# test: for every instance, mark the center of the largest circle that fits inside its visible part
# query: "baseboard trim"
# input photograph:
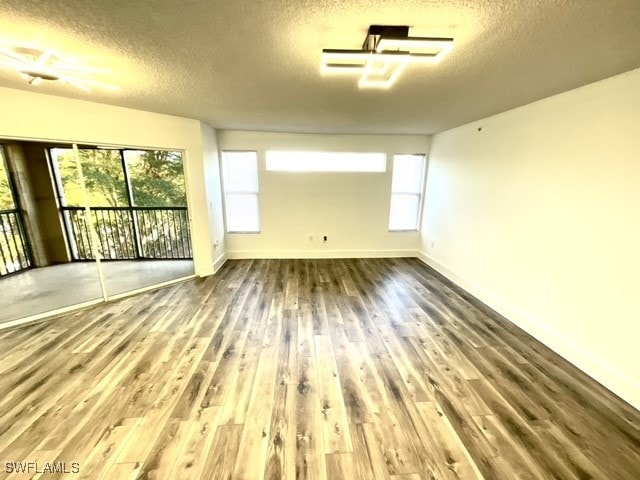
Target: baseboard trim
(149, 288)
(218, 264)
(52, 314)
(619, 383)
(49, 315)
(290, 254)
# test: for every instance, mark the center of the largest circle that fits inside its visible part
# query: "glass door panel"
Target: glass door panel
(155, 183)
(50, 279)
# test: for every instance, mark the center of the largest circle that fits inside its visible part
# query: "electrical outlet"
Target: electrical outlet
(432, 244)
(311, 238)
(325, 238)
(216, 244)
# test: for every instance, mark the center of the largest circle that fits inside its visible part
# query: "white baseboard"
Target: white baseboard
(50, 314)
(289, 254)
(619, 383)
(219, 262)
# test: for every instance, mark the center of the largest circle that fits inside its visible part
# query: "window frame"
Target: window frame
(226, 192)
(420, 194)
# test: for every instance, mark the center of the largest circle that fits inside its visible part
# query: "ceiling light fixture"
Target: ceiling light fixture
(35, 65)
(387, 50)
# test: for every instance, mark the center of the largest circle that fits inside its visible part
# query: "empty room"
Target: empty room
(388, 240)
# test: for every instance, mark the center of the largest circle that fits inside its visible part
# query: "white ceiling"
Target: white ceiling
(254, 64)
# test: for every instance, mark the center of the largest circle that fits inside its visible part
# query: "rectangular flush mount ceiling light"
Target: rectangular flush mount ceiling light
(385, 53)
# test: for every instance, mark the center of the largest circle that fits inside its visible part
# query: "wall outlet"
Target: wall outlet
(311, 238)
(325, 238)
(432, 244)
(216, 244)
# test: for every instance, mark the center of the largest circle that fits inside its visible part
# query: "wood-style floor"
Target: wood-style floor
(283, 369)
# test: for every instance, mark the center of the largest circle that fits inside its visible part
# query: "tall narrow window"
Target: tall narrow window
(241, 191)
(406, 192)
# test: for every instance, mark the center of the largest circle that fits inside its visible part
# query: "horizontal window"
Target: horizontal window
(288, 161)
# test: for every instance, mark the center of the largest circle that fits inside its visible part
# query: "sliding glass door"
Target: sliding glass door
(82, 225)
(136, 205)
(38, 276)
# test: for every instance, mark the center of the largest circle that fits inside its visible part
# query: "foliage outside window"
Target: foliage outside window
(156, 177)
(6, 198)
(137, 203)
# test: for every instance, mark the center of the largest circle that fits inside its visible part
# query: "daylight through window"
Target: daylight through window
(290, 161)
(406, 192)
(242, 209)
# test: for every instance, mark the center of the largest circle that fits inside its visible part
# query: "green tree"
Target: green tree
(157, 178)
(6, 199)
(104, 178)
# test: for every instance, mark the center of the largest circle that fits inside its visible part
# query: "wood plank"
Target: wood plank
(254, 442)
(309, 438)
(341, 465)
(335, 423)
(195, 448)
(223, 454)
(281, 455)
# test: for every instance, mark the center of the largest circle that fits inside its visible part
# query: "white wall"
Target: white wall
(213, 184)
(352, 209)
(538, 215)
(28, 115)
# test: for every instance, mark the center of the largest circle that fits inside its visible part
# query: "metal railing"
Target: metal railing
(14, 250)
(129, 233)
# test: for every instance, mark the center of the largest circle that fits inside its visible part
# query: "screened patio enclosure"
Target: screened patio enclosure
(82, 224)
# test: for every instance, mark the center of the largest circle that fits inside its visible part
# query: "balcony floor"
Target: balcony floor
(41, 290)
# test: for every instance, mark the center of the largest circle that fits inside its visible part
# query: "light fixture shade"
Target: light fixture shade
(385, 54)
(421, 50)
(383, 69)
(35, 65)
(344, 61)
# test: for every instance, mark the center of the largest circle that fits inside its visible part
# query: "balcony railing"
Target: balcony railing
(14, 250)
(129, 233)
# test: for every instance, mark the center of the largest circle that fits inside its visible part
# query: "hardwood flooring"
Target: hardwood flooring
(306, 369)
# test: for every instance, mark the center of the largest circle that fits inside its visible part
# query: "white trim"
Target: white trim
(49, 315)
(150, 287)
(62, 311)
(619, 383)
(219, 262)
(203, 271)
(253, 254)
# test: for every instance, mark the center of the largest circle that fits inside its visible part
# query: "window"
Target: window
(406, 192)
(287, 161)
(156, 178)
(241, 191)
(137, 203)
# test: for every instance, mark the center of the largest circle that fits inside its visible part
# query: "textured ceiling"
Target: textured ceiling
(254, 64)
